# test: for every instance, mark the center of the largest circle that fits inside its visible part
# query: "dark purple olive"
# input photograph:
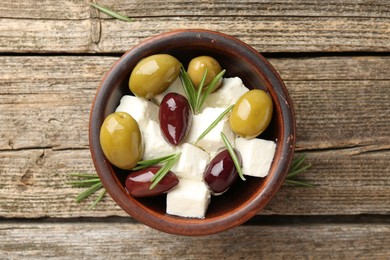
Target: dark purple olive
(175, 118)
(138, 182)
(221, 172)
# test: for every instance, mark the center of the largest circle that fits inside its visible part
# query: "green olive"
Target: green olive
(153, 75)
(121, 141)
(197, 67)
(251, 114)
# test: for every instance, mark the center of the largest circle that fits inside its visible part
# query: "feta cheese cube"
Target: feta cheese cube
(212, 142)
(142, 110)
(257, 155)
(189, 198)
(228, 94)
(155, 144)
(176, 87)
(192, 162)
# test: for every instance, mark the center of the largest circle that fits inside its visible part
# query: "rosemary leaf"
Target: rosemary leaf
(164, 171)
(296, 168)
(85, 175)
(233, 155)
(199, 93)
(297, 162)
(111, 13)
(299, 183)
(98, 199)
(210, 88)
(188, 87)
(154, 161)
(214, 123)
(88, 192)
(293, 173)
(87, 182)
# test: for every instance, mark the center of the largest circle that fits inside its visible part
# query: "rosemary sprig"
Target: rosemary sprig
(99, 198)
(233, 155)
(296, 168)
(188, 87)
(111, 13)
(214, 123)
(164, 170)
(95, 187)
(196, 98)
(200, 89)
(147, 163)
(211, 87)
(92, 183)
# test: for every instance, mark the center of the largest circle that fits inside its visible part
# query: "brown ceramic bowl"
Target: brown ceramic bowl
(245, 198)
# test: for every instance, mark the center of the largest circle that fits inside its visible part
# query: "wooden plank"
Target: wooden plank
(74, 9)
(252, 8)
(318, 86)
(266, 34)
(271, 34)
(46, 9)
(135, 241)
(44, 121)
(33, 184)
(45, 101)
(42, 36)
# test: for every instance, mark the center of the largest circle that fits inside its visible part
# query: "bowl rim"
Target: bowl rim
(188, 226)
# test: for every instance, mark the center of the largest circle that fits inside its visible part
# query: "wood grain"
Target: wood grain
(75, 9)
(33, 184)
(266, 34)
(129, 240)
(319, 85)
(44, 123)
(343, 120)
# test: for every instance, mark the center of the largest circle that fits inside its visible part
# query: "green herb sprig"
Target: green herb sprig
(164, 170)
(147, 163)
(168, 162)
(214, 123)
(92, 183)
(196, 98)
(233, 155)
(298, 166)
(112, 13)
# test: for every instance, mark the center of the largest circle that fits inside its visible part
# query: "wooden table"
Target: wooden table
(333, 57)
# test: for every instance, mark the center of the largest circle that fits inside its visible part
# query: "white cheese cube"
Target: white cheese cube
(192, 162)
(189, 198)
(176, 87)
(228, 94)
(257, 155)
(155, 144)
(212, 142)
(142, 110)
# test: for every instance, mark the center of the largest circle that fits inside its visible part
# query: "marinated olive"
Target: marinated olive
(221, 172)
(197, 67)
(175, 118)
(121, 141)
(153, 75)
(251, 114)
(138, 183)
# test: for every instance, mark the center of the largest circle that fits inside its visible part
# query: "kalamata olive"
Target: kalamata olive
(138, 182)
(221, 172)
(153, 75)
(121, 141)
(175, 118)
(197, 67)
(251, 114)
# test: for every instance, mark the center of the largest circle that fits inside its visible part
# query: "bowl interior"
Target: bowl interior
(244, 199)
